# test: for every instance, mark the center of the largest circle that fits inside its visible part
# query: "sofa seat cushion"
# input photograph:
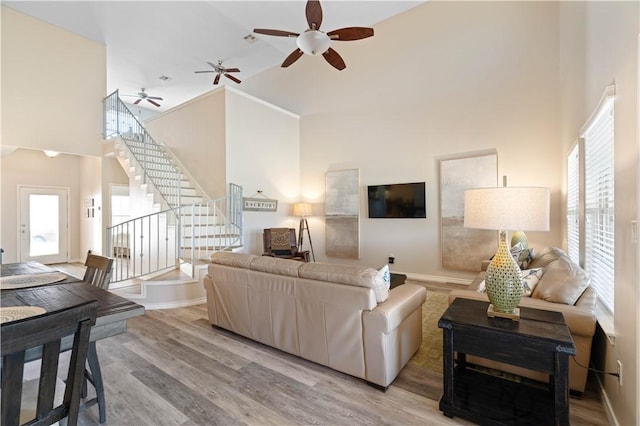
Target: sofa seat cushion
(237, 260)
(274, 265)
(346, 274)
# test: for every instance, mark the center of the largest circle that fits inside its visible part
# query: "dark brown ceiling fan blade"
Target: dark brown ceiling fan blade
(279, 33)
(294, 56)
(314, 14)
(152, 102)
(334, 59)
(232, 78)
(350, 33)
(232, 70)
(137, 101)
(217, 79)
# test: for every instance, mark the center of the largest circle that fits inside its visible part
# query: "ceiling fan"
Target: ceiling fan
(315, 42)
(142, 96)
(220, 70)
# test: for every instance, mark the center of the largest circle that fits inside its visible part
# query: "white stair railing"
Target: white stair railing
(186, 230)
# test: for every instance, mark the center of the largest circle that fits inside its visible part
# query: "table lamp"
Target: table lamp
(303, 210)
(506, 209)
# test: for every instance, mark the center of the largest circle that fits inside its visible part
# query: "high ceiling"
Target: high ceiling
(147, 40)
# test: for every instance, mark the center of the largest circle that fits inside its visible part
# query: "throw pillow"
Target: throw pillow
(382, 283)
(530, 278)
(522, 256)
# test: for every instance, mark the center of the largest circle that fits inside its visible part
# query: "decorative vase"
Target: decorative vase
(503, 279)
(520, 237)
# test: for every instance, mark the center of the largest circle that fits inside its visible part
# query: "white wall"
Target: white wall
(227, 137)
(442, 79)
(599, 46)
(53, 83)
(195, 134)
(263, 154)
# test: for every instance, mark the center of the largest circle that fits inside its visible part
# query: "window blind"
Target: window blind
(573, 200)
(599, 204)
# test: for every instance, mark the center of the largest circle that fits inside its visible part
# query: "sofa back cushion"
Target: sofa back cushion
(275, 265)
(563, 281)
(347, 274)
(237, 260)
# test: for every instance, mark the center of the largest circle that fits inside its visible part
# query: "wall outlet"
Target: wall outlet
(392, 258)
(619, 372)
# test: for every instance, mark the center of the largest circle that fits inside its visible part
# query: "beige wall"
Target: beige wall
(263, 153)
(53, 83)
(443, 79)
(32, 167)
(599, 47)
(195, 133)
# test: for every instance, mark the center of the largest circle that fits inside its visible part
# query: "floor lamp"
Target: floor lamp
(303, 210)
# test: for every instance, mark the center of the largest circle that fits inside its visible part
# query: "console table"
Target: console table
(540, 341)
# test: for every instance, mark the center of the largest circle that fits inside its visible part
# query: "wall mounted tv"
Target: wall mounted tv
(397, 200)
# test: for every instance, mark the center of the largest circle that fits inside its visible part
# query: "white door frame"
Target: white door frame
(64, 257)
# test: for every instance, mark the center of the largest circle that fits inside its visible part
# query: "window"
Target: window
(573, 204)
(597, 204)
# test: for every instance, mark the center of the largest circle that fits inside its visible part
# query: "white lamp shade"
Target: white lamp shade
(51, 154)
(313, 42)
(302, 209)
(507, 208)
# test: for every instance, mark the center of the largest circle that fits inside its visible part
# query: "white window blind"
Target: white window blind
(599, 203)
(573, 206)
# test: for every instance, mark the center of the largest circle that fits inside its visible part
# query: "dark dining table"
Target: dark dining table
(112, 315)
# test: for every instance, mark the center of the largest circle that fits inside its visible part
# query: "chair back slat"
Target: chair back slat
(98, 272)
(46, 330)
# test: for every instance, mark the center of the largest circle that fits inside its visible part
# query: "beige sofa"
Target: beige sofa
(330, 314)
(563, 287)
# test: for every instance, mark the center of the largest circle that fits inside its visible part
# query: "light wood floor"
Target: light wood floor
(173, 368)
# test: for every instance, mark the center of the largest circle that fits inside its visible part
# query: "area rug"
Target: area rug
(429, 355)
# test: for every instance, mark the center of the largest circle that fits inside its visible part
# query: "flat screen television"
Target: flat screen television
(397, 200)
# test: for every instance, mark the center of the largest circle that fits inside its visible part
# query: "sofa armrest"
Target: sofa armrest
(402, 301)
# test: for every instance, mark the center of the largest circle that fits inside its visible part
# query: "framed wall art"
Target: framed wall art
(342, 213)
(464, 248)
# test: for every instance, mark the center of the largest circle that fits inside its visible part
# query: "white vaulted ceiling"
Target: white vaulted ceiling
(149, 39)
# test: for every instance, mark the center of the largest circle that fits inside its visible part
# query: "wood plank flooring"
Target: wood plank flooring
(173, 368)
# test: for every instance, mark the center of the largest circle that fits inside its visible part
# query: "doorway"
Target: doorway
(43, 224)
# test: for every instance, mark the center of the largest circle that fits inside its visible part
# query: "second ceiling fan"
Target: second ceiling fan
(315, 42)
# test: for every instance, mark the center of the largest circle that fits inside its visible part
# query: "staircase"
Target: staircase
(185, 227)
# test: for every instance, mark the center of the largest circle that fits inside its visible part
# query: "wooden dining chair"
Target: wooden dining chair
(46, 331)
(98, 272)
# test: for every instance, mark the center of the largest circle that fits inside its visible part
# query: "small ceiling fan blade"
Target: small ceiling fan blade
(334, 59)
(294, 56)
(232, 78)
(152, 102)
(137, 101)
(155, 98)
(350, 33)
(212, 65)
(198, 72)
(232, 70)
(314, 14)
(217, 79)
(279, 33)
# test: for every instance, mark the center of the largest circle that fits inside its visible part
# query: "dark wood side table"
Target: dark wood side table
(540, 341)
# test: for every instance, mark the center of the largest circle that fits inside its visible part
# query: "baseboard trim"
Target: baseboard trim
(608, 408)
(169, 305)
(437, 279)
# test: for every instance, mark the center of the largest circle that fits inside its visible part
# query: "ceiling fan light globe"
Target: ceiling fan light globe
(313, 42)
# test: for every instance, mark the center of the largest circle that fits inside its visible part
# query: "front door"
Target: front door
(43, 224)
